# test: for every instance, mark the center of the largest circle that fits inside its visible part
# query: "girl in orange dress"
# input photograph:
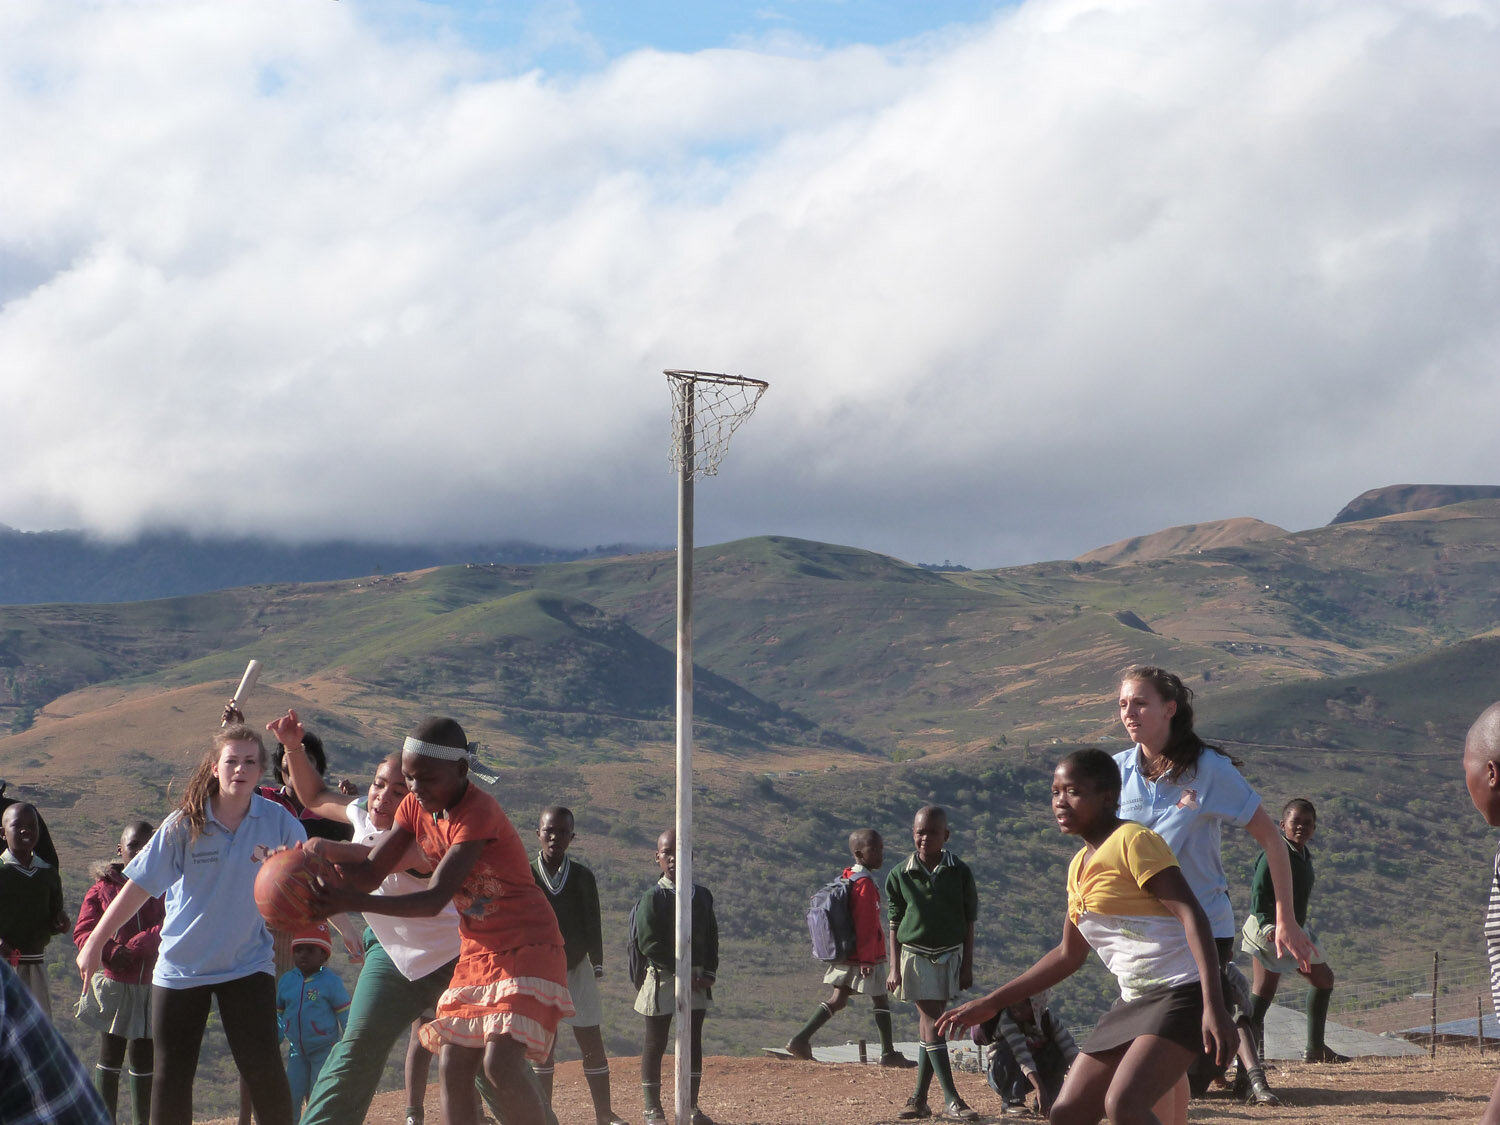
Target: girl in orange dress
(509, 990)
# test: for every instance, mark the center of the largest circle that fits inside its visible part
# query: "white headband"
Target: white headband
(435, 750)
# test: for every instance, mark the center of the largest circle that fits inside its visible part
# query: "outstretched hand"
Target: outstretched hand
(955, 1021)
(1292, 941)
(231, 714)
(287, 729)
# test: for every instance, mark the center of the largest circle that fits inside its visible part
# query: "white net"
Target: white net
(706, 410)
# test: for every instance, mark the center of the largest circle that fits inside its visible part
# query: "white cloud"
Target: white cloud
(1091, 269)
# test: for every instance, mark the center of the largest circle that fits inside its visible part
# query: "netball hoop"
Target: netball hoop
(706, 410)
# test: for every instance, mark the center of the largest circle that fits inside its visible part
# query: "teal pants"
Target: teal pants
(380, 1014)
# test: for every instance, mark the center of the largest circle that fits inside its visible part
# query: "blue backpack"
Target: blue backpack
(830, 921)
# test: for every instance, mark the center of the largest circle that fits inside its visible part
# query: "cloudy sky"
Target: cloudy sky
(1024, 279)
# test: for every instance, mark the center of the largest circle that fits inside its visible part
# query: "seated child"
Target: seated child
(933, 905)
(1127, 899)
(866, 971)
(31, 902)
(1299, 820)
(1033, 1051)
(312, 1005)
(655, 938)
(574, 895)
(117, 1001)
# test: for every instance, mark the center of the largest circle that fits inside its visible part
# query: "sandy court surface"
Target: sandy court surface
(744, 1091)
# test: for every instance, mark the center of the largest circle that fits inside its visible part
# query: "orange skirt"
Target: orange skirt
(522, 993)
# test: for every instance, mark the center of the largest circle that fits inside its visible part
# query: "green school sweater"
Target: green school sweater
(931, 910)
(574, 895)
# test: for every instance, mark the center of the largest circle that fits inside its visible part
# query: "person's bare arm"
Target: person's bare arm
(447, 877)
(1057, 964)
(1171, 889)
(316, 797)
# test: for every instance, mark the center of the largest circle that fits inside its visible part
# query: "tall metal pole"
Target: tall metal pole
(684, 993)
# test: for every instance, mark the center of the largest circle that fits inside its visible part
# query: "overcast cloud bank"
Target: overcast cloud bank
(1081, 272)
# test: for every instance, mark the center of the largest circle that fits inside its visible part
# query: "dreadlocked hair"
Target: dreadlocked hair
(1184, 746)
(203, 786)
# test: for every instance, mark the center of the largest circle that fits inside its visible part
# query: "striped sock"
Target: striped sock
(942, 1066)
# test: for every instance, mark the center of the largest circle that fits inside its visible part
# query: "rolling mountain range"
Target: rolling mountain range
(836, 687)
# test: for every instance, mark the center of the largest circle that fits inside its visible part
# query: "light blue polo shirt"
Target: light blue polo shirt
(213, 931)
(1187, 814)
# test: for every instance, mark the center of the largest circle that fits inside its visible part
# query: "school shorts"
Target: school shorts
(846, 974)
(588, 1011)
(658, 994)
(930, 978)
(1260, 942)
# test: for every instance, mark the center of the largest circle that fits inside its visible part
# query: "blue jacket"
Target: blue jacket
(312, 1010)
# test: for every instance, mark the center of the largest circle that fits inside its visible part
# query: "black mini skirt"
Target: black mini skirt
(1175, 1014)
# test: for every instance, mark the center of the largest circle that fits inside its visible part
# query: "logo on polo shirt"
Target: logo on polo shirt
(1188, 800)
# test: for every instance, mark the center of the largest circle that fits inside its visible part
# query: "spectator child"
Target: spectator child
(31, 902)
(933, 906)
(1033, 1051)
(214, 944)
(864, 973)
(1127, 899)
(312, 1005)
(509, 989)
(655, 938)
(1482, 778)
(574, 896)
(117, 1001)
(1299, 820)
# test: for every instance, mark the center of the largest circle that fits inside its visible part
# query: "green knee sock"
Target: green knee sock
(1317, 1017)
(937, 1054)
(107, 1082)
(883, 1026)
(140, 1096)
(924, 1075)
(810, 1028)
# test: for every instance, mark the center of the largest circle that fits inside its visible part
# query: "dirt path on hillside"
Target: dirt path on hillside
(739, 1091)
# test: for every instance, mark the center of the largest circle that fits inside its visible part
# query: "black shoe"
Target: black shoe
(701, 1118)
(1324, 1054)
(914, 1110)
(1260, 1092)
(897, 1061)
(655, 1115)
(799, 1049)
(956, 1110)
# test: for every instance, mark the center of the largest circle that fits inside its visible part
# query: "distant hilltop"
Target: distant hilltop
(1396, 498)
(70, 566)
(1183, 540)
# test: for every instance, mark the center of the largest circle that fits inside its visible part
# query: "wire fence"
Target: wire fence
(1442, 998)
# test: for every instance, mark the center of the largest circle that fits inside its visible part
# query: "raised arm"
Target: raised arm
(1057, 964)
(1291, 940)
(316, 797)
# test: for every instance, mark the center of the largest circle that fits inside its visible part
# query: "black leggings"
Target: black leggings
(247, 1008)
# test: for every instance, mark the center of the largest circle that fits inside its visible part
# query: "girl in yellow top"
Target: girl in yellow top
(1127, 899)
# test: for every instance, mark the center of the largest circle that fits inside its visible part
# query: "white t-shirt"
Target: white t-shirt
(416, 946)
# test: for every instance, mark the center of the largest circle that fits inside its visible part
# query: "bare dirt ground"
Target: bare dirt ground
(745, 1091)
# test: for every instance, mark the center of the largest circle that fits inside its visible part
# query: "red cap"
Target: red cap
(316, 934)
